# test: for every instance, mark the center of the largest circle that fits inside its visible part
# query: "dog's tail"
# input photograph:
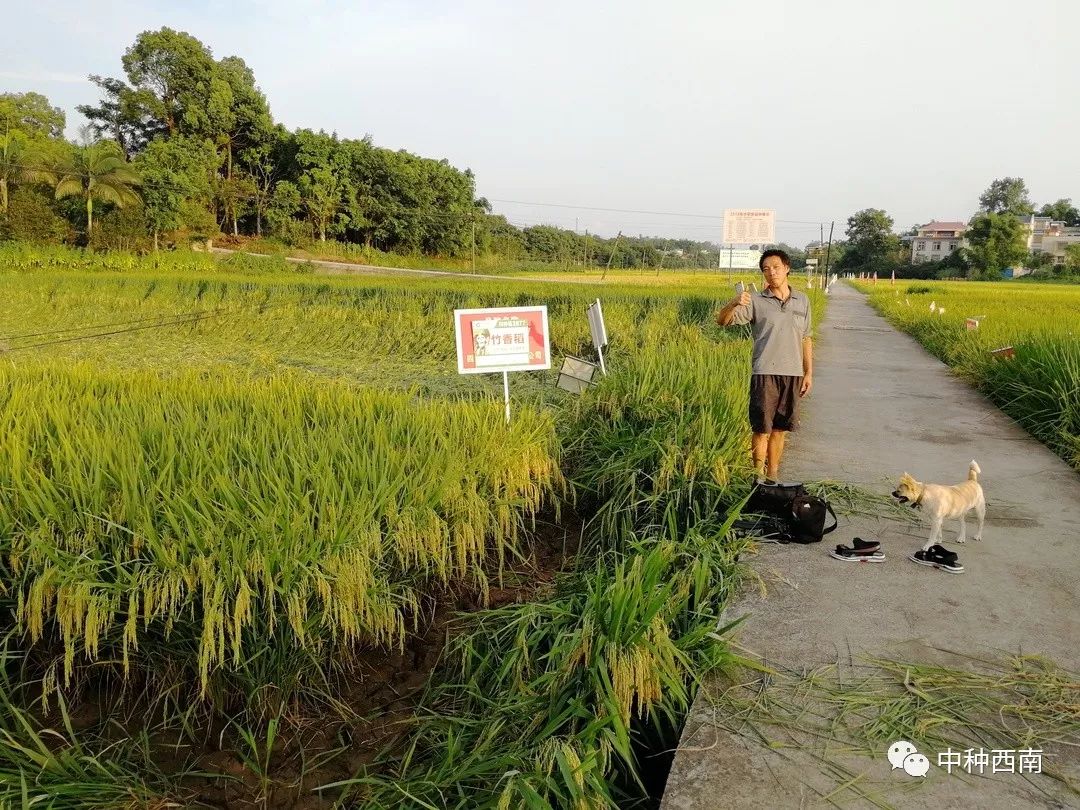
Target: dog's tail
(973, 471)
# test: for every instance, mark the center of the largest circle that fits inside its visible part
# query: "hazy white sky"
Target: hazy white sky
(816, 109)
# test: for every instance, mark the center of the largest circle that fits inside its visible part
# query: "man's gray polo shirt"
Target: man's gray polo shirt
(778, 329)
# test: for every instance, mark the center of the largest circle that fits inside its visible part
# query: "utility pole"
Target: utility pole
(474, 245)
(611, 256)
(828, 250)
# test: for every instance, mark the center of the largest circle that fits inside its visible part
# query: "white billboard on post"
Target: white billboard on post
(749, 226)
(739, 259)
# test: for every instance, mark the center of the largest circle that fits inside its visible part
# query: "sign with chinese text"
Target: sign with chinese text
(740, 259)
(507, 339)
(749, 226)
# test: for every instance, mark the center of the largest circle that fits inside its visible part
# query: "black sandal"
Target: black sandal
(862, 552)
(938, 557)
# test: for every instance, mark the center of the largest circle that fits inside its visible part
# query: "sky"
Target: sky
(814, 109)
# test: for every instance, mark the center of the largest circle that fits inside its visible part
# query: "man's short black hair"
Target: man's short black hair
(774, 252)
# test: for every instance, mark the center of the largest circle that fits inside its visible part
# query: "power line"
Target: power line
(636, 211)
(108, 325)
(179, 322)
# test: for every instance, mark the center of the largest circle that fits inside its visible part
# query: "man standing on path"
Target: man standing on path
(783, 364)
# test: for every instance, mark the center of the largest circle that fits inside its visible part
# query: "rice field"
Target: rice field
(231, 491)
(1039, 385)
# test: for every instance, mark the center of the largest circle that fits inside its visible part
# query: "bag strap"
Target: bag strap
(835, 522)
(766, 527)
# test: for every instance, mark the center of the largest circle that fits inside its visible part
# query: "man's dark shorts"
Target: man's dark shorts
(774, 402)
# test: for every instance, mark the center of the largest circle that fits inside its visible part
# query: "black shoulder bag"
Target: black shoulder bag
(799, 516)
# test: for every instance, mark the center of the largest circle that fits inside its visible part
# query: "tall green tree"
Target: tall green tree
(175, 88)
(282, 209)
(1006, 195)
(235, 196)
(321, 191)
(31, 114)
(170, 74)
(30, 133)
(175, 176)
(268, 162)
(1063, 211)
(996, 241)
(97, 172)
(249, 124)
(871, 243)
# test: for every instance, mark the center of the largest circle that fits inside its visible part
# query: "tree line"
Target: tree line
(996, 237)
(184, 147)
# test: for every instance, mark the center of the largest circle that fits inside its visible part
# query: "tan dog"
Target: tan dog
(940, 501)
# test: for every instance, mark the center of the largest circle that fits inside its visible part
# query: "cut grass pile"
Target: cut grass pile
(844, 716)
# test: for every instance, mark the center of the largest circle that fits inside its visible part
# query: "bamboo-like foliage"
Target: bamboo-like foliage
(225, 504)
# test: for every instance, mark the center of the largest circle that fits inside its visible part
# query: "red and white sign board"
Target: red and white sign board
(507, 339)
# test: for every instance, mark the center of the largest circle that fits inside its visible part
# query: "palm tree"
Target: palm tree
(98, 171)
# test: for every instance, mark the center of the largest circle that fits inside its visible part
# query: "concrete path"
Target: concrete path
(882, 406)
(329, 268)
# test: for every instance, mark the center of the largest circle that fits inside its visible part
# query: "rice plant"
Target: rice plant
(240, 510)
(223, 483)
(541, 704)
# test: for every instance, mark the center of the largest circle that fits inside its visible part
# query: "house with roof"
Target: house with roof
(935, 240)
(1047, 235)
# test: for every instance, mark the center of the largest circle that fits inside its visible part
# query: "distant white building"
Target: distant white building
(1047, 235)
(935, 240)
